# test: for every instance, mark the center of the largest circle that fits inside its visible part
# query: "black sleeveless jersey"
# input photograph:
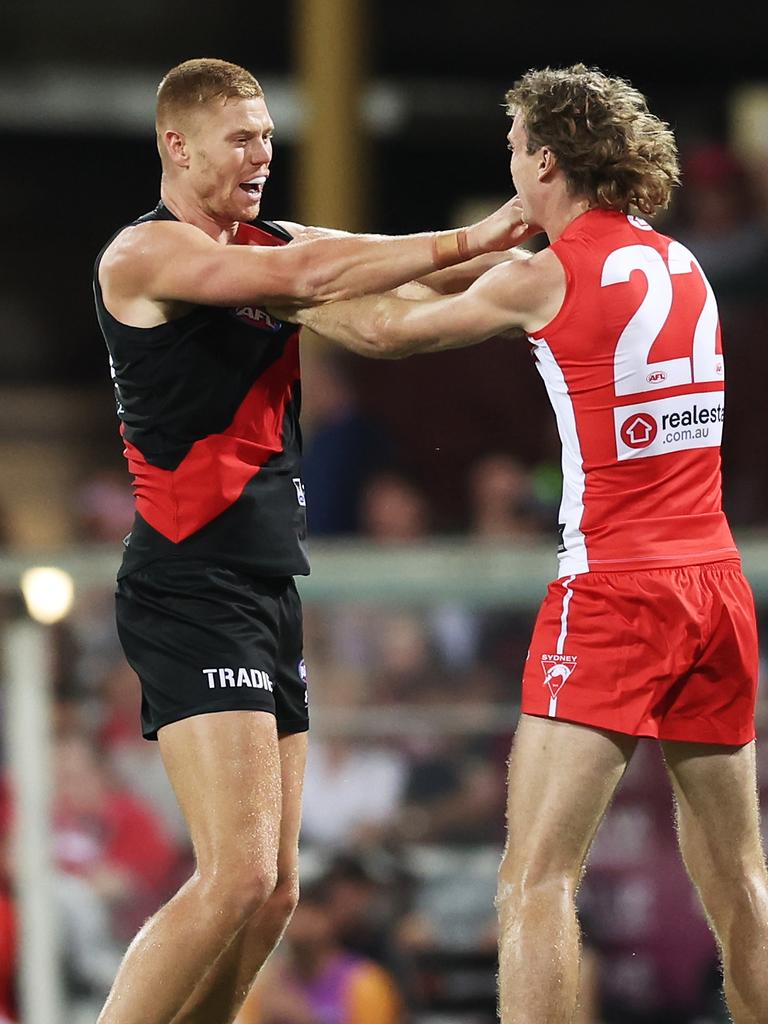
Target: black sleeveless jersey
(209, 414)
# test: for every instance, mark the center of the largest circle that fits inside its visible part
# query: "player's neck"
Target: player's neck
(187, 209)
(561, 213)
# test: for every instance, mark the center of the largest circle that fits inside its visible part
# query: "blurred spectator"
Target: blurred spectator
(454, 794)
(104, 507)
(394, 510)
(135, 764)
(344, 447)
(7, 924)
(107, 835)
(90, 956)
(719, 220)
(403, 655)
(365, 894)
(502, 503)
(352, 792)
(312, 980)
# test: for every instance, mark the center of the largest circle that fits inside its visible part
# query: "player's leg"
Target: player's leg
(225, 770)
(218, 998)
(719, 830)
(561, 779)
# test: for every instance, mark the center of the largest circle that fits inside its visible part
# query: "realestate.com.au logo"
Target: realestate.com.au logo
(669, 425)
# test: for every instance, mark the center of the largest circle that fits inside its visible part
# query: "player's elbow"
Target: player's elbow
(304, 280)
(310, 281)
(389, 338)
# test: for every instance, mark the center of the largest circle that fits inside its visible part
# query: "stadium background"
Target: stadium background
(432, 483)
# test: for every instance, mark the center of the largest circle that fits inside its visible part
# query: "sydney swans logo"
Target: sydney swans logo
(557, 671)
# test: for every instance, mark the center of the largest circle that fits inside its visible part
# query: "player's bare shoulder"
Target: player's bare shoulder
(132, 257)
(531, 286)
(548, 283)
(134, 267)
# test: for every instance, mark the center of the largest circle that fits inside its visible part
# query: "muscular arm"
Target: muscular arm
(445, 282)
(173, 262)
(522, 294)
(459, 278)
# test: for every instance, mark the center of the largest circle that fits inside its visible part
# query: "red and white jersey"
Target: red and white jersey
(633, 366)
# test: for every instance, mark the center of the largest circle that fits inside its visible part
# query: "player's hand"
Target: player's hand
(288, 314)
(503, 229)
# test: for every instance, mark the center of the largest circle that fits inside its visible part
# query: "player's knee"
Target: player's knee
(735, 896)
(286, 896)
(241, 893)
(521, 884)
(531, 868)
(258, 887)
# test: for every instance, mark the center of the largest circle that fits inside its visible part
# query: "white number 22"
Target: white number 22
(632, 371)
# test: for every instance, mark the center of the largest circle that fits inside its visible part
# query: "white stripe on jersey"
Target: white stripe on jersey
(574, 558)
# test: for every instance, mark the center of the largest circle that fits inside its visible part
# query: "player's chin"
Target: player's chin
(249, 208)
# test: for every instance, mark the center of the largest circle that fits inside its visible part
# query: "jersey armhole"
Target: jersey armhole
(565, 307)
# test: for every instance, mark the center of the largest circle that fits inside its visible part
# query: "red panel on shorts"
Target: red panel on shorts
(666, 653)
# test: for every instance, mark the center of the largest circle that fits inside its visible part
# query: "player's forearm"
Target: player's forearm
(346, 267)
(463, 275)
(372, 326)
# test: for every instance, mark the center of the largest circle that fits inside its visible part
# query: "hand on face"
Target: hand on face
(502, 229)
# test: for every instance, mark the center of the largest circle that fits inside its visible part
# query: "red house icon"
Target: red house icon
(639, 430)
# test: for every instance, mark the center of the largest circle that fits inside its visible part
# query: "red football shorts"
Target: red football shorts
(668, 653)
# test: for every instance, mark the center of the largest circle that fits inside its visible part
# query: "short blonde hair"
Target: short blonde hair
(193, 84)
(610, 147)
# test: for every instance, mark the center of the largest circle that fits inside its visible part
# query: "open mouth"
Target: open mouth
(254, 187)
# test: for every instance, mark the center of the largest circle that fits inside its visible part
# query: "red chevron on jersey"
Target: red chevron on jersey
(634, 369)
(213, 474)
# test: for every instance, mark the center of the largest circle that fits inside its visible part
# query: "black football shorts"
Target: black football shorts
(205, 638)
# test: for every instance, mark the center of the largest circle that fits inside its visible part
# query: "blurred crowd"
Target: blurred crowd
(414, 709)
(413, 713)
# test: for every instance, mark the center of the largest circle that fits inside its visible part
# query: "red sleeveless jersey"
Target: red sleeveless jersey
(633, 366)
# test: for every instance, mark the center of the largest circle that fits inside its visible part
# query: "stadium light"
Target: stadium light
(48, 593)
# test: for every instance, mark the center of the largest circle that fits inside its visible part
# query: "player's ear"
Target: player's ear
(175, 145)
(547, 163)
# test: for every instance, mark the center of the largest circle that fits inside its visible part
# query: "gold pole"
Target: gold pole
(331, 177)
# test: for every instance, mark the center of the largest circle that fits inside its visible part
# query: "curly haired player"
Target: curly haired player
(649, 629)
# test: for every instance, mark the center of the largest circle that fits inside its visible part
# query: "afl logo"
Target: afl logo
(656, 377)
(639, 431)
(255, 317)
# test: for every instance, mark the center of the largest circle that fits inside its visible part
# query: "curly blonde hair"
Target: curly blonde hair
(610, 147)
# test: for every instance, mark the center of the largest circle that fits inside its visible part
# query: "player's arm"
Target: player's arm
(446, 282)
(169, 261)
(520, 294)
(459, 278)
(307, 232)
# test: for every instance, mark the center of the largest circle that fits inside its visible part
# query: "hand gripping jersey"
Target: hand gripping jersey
(209, 410)
(633, 366)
